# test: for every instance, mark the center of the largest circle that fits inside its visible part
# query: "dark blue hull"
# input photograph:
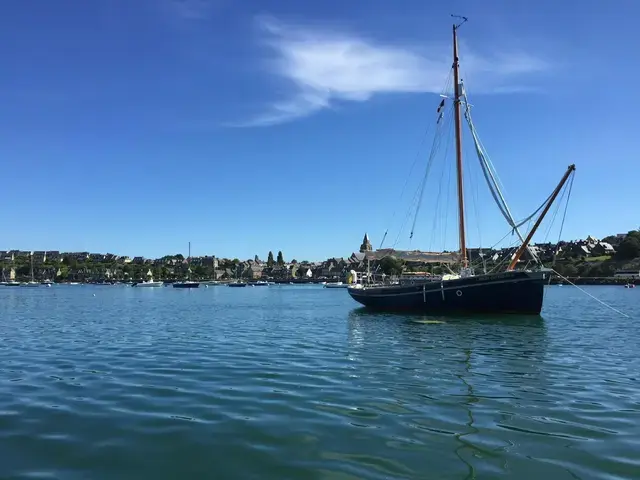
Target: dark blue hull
(186, 285)
(516, 292)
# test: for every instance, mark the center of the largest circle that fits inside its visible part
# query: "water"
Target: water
(298, 382)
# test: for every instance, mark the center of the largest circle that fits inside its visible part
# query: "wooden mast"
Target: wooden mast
(555, 193)
(458, 120)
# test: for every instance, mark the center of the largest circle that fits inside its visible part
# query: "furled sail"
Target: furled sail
(490, 176)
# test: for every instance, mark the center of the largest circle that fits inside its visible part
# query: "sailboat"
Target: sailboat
(188, 283)
(149, 283)
(237, 283)
(510, 291)
(32, 282)
(10, 282)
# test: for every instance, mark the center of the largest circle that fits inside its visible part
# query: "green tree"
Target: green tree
(391, 265)
(280, 258)
(64, 273)
(611, 239)
(586, 270)
(23, 270)
(270, 261)
(569, 270)
(629, 248)
(164, 272)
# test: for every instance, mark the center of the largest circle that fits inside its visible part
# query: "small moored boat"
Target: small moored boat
(148, 283)
(188, 283)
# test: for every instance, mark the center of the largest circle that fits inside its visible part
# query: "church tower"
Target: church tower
(366, 244)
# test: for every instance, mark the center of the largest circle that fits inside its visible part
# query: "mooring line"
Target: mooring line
(595, 298)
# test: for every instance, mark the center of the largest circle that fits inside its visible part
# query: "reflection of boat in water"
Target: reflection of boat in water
(523, 335)
(468, 377)
(509, 291)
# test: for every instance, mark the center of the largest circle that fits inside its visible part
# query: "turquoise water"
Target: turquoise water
(293, 382)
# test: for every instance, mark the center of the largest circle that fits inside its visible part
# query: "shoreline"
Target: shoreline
(555, 280)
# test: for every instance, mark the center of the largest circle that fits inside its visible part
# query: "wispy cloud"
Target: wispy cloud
(190, 9)
(325, 66)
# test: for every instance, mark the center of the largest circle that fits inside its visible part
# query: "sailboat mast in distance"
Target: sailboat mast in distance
(458, 122)
(188, 283)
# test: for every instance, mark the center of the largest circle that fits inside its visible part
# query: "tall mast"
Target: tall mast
(456, 103)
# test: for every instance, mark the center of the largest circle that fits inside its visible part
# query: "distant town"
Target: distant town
(588, 258)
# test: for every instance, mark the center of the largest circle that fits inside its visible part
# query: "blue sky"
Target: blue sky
(249, 126)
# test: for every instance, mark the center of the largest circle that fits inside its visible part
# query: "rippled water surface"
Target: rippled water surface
(297, 382)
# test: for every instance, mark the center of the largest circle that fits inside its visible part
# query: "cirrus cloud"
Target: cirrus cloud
(325, 66)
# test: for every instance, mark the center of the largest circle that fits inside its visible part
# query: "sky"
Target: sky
(249, 126)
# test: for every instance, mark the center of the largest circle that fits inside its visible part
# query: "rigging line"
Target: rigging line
(434, 150)
(482, 151)
(566, 206)
(447, 200)
(490, 163)
(418, 196)
(495, 179)
(477, 138)
(507, 257)
(488, 174)
(564, 216)
(406, 218)
(440, 185)
(448, 81)
(490, 177)
(476, 208)
(555, 212)
(416, 199)
(491, 180)
(426, 174)
(508, 249)
(595, 298)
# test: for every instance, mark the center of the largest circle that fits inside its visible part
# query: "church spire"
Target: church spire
(366, 244)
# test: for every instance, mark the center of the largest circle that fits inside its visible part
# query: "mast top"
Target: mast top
(462, 20)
